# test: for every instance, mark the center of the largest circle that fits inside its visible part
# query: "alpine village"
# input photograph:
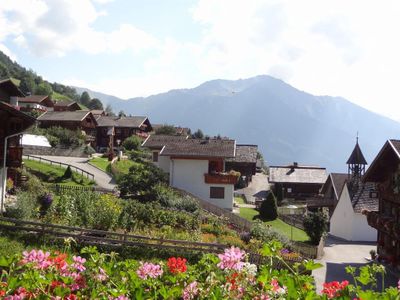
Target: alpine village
(104, 205)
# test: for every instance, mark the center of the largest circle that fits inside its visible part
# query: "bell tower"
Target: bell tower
(356, 165)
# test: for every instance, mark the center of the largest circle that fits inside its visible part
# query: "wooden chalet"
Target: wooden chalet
(385, 172)
(66, 106)
(9, 92)
(35, 102)
(156, 142)
(123, 127)
(245, 161)
(74, 120)
(12, 123)
(296, 181)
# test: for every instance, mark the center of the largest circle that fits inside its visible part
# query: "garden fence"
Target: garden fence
(60, 164)
(114, 239)
(293, 220)
(62, 188)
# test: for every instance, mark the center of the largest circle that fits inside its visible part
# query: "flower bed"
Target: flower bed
(37, 274)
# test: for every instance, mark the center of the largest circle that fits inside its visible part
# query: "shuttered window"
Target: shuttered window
(155, 156)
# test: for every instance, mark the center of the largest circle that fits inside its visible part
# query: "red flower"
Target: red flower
(177, 265)
(332, 289)
(232, 280)
(2, 293)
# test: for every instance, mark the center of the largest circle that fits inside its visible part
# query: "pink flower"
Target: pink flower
(190, 291)
(39, 258)
(102, 276)
(231, 259)
(276, 289)
(122, 297)
(149, 270)
(78, 263)
(398, 285)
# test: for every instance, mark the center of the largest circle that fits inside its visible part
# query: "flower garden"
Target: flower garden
(92, 275)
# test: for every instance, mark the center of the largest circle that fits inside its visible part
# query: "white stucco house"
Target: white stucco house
(196, 166)
(350, 197)
(347, 221)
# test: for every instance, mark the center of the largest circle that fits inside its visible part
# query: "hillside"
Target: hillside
(287, 124)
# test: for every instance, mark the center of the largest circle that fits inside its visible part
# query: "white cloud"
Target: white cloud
(57, 27)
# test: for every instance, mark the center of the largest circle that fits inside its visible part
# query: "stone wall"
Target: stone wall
(54, 151)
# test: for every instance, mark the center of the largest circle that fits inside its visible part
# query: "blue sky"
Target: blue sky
(132, 48)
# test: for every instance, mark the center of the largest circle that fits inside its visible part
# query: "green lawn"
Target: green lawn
(284, 228)
(239, 200)
(100, 162)
(123, 165)
(55, 174)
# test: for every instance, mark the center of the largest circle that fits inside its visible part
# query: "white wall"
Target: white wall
(163, 163)
(188, 175)
(347, 224)
(341, 220)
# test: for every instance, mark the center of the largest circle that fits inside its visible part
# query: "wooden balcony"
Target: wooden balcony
(221, 178)
(320, 202)
(14, 157)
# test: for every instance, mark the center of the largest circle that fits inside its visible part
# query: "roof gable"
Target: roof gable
(130, 122)
(159, 141)
(245, 154)
(11, 88)
(63, 116)
(385, 162)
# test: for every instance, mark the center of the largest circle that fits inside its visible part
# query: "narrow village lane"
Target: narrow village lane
(257, 188)
(102, 179)
(338, 255)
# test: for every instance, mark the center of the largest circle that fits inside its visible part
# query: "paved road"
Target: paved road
(338, 255)
(102, 179)
(257, 188)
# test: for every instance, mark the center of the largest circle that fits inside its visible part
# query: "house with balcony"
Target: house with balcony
(385, 173)
(82, 120)
(41, 103)
(123, 127)
(198, 167)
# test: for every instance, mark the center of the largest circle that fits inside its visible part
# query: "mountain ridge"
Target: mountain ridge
(288, 124)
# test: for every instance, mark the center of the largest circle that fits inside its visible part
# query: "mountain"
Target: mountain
(287, 124)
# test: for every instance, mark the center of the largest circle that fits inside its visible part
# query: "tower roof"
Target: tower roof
(356, 157)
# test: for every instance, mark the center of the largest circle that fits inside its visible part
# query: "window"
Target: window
(155, 156)
(289, 190)
(217, 192)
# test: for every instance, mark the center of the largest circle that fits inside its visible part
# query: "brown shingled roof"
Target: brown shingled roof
(201, 148)
(297, 174)
(245, 154)
(132, 122)
(159, 141)
(361, 197)
(77, 115)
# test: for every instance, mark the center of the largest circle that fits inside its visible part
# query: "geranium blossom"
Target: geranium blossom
(190, 291)
(231, 259)
(177, 265)
(276, 288)
(149, 270)
(39, 258)
(332, 289)
(78, 263)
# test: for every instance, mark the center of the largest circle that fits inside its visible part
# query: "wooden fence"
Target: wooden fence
(61, 188)
(60, 164)
(114, 239)
(293, 220)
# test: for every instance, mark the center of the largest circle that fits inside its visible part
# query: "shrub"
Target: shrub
(265, 233)
(68, 172)
(62, 136)
(166, 130)
(231, 241)
(132, 143)
(315, 225)
(167, 197)
(89, 150)
(107, 209)
(140, 179)
(268, 209)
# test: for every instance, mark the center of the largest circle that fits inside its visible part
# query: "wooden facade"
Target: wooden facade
(385, 171)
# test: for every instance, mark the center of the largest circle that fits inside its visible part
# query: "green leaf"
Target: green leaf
(311, 265)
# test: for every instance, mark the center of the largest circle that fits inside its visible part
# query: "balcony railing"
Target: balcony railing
(221, 178)
(383, 223)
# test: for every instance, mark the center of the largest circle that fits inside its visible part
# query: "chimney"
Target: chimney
(295, 164)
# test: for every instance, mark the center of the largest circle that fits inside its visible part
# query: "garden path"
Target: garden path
(257, 188)
(102, 179)
(337, 255)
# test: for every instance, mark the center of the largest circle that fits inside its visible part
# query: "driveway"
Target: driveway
(258, 187)
(339, 254)
(102, 179)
